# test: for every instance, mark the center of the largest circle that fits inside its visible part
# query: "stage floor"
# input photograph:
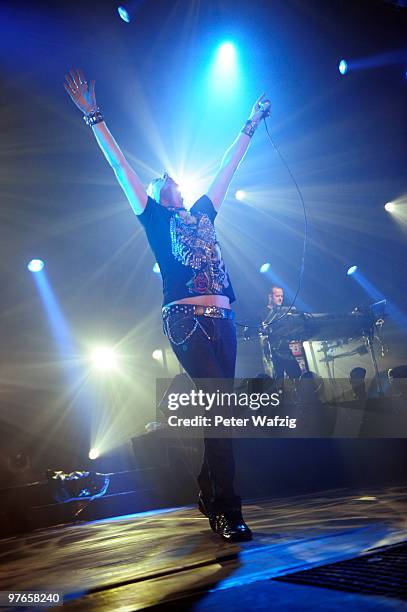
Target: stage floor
(170, 556)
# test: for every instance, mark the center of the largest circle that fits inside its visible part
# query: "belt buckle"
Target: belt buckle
(215, 312)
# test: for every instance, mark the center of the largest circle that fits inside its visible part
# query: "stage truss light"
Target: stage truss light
(189, 188)
(224, 73)
(343, 67)
(123, 14)
(35, 265)
(156, 268)
(157, 355)
(265, 268)
(94, 453)
(226, 53)
(390, 207)
(104, 359)
(351, 270)
(240, 194)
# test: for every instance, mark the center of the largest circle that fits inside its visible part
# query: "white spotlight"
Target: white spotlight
(265, 267)
(390, 207)
(239, 195)
(189, 189)
(227, 53)
(156, 268)
(94, 453)
(35, 265)
(104, 358)
(157, 355)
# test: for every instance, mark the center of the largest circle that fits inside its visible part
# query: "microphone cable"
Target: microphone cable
(305, 240)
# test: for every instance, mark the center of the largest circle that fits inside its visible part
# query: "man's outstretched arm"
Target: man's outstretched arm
(234, 155)
(84, 98)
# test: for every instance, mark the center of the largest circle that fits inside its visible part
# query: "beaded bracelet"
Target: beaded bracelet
(93, 117)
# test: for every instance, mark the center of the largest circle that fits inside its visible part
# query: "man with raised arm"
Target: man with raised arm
(198, 320)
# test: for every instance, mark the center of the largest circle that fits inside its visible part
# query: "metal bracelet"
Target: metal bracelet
(250, 127)
(95, 116)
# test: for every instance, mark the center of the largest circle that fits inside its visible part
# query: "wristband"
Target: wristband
(250, 127)
(93, 117)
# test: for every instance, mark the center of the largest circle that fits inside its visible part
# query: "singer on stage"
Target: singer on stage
(197, 316)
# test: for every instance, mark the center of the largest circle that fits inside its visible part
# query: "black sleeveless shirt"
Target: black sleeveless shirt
(187, 251)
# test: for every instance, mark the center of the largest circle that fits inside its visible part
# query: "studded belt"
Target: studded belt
(198, 311)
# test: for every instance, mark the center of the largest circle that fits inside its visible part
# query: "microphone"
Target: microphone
(265, 108)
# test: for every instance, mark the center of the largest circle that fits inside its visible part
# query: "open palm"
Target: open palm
(82, 95)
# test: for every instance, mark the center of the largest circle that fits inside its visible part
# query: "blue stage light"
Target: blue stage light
(392, 310)
(35, 265)
(265, 268)
(224, 74)
(351, 270)
(123, 14)
(343, 67)
(227, 53)
(156, 268)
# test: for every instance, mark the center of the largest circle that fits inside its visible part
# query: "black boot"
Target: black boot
(204, 504)
(225, 518)
(231, 526)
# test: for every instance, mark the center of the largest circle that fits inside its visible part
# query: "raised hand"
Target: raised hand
(261, 106)
(82, 95)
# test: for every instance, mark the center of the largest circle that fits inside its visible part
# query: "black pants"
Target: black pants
(285, 362)
(209, 353)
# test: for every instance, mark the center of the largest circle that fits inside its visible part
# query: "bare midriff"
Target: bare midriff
(205, 300)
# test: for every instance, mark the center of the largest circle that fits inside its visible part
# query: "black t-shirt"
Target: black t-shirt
(187, 250)
(268, 314)
(279, 346)
(277, 312)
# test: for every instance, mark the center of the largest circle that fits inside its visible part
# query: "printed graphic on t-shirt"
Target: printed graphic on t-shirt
(194, 244)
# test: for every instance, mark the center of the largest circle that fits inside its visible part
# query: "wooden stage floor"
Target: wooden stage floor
(158, 558)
